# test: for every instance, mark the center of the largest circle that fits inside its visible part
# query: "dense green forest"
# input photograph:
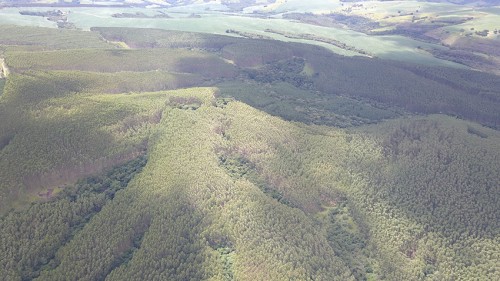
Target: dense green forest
(199, 157)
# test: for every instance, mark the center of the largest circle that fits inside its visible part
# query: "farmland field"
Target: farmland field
(389, 47)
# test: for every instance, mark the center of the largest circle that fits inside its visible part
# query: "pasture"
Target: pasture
(391, 46)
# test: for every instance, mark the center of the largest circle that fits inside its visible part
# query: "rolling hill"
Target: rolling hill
(191, 156)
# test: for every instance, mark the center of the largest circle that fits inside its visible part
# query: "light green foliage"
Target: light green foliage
(191, 221)
(54, 135)
(387, 196)
(125, 81)
(60, 220)
(49, 38)
(343, 208)
(246, 54)
(159, 38)
(233, 193)
(115, 60)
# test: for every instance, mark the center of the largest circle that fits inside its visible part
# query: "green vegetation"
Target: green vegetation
(295, 104)
(469, 33)
(2, 83)
(198, 157)
(308, 36)
(159, 38)
(116, 60)
(63, 217)
(415, 88)
(392, 29)
(140, 15)
(50, 38)
(52, 133)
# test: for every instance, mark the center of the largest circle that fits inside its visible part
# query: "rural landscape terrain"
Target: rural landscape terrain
(249, 140)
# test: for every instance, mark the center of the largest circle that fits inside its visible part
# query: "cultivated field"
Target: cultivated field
(389, 46)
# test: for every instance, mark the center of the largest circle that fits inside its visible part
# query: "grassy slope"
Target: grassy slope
(114, 60)
(403, 48)
(395, 47)
(48, 38)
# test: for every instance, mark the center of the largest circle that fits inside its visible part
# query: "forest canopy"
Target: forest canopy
(188, 156)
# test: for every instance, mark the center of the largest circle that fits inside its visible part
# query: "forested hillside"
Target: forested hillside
(192, 157)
